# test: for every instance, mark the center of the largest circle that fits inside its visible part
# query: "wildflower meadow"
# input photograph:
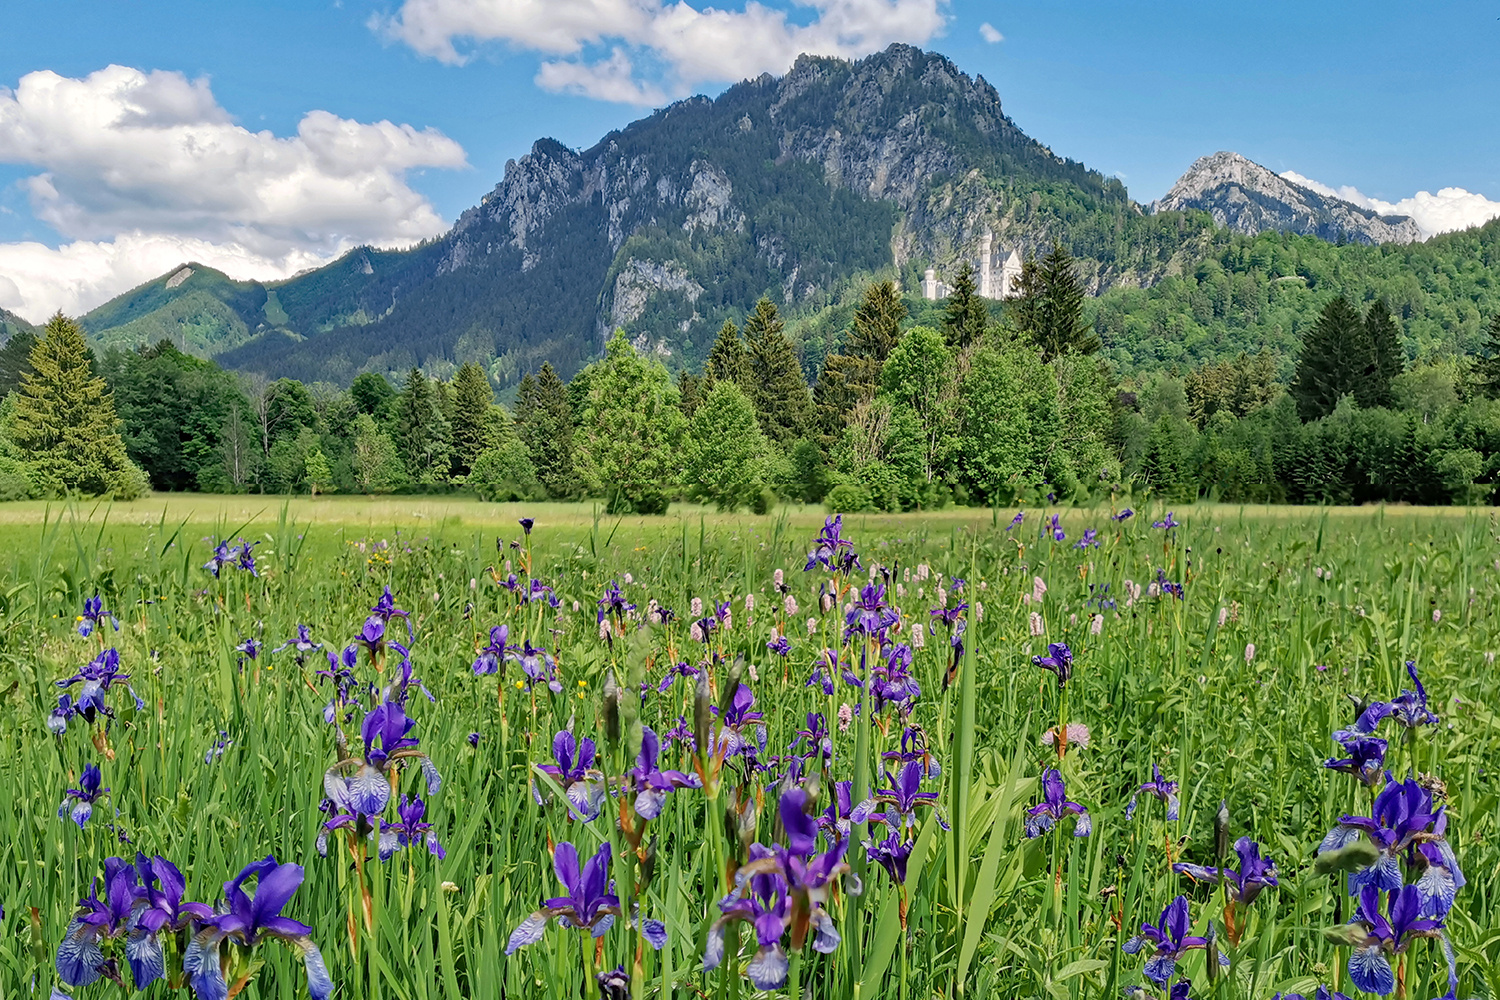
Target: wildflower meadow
(1061, 753)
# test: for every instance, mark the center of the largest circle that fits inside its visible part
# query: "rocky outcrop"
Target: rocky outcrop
(638, 280)
(1248, 198)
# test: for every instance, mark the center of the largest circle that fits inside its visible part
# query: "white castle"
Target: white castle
(998, 278)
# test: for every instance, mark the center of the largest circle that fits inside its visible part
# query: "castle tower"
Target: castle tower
(929, 285)
(986, 266)
(1010, 276)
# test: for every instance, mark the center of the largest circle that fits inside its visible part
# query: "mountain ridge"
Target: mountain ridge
(1248, 198)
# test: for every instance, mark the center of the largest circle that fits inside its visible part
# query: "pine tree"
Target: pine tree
(1049, 311)
(473, 426)
(728, 359)
(852, 375)
(423, 435)
(877, 324)
(544, 422)
(779, 390)
(690, 392)
(65, 419)
(1337, 359)
(1384, 338)
(1487, 369)
(15, 361)
(967, 316)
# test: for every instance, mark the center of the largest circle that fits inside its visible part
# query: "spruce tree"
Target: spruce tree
(1487, 369)
(779, 391)
(1050, 310)
(473, 428)
(877, 324)
(423, 435)
(851, 375)
(1384, 339)
(1337, 359)
(967, 316)
(728, 359)
(65, 419)
(544, 422)
(690, 392)
(15, 361)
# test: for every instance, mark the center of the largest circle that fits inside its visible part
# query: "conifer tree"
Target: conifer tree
(728, 359)
(473, 426)
(423, 435)
(724, 450)
(1384, 339)
(1050, 309)
(779, 391)
(629, 432)
(1337, 359)
(1487, 370)
(15, 360)
(852, 375)
(877, 324)
(544, 422)
(65, 419)
(967, 316)
(690, 392)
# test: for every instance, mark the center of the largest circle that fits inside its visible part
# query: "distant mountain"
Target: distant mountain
(1248, 198)
(800, 186)
(11, 324)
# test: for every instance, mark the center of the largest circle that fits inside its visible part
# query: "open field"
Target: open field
(1232, 689)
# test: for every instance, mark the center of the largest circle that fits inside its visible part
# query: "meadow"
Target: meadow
(718, 741)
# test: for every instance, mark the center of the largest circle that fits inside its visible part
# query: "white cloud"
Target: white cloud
(1452, 208)
(153, 156)
(37, 280)
(692, 45)
(990, 33)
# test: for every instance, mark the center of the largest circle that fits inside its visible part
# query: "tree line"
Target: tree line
(973, 406)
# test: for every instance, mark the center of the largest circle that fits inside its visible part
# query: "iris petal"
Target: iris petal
(1371, 971)
(369, 791)
(655, 933)
(767, 970)
(530, 932)
(79, 957)
(147, 964)
(319, 983)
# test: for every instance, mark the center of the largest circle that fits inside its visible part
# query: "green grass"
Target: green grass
(989, 913)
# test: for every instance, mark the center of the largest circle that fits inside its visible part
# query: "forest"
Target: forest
(913, 406)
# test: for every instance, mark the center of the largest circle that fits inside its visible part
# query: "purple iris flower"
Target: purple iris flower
(1171, 940)
(57, 719)
(1255, 874)
(526, 523)
(80, 961)
(1055, 527)
(949, 616)
(1090, 539)
(1324, 993)
(914, 748)
(402, 681)
(1369, 962)
(1402, 818)
(891, 679)
(832, 551)
(1366, 759)
(588, 906)
(870, 615)
(409, 829)
(903, 797)
(825, 668)
(83, 797)
(780, 645)
(385, 607)
(816, 735)
(1054, 806)
(489, 658)
(474, 740)
(538, 665)
(1015, 522)
(246, 560)
(1167, 586)
(1408, 708)
(162, 887)
(650, 783)
(613, 603)
(539, 591)
(245, 920)
(94, 615)
(341, 672)
(356, 797)
(1164, 790)
(97, 677)
(1167, 522)
(681, 733)
(249, 648)
(682, 668)
(512, 583)
(302, 642)
(1124, 515)
(582, 783)
(614, 984)
(1059, 660)
(843, 812)
(732, 739)
(762, 901)
(891, 854)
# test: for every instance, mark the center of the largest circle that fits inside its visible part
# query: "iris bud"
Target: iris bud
(1221, 830)
(702, 716)
(611, 708)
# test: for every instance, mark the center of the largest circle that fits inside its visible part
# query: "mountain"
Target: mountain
(1248, 198)
(799, 186)
(11, 324)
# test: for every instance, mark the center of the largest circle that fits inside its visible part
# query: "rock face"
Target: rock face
(1248, 198)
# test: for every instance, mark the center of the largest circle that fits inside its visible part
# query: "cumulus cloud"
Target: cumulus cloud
(154, 156)
(691, 45)
(990, 33)
(1452, 208)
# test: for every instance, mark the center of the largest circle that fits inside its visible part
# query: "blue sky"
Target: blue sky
(1391, 99)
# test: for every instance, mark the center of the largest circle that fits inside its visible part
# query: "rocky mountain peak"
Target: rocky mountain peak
(1249, 198)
